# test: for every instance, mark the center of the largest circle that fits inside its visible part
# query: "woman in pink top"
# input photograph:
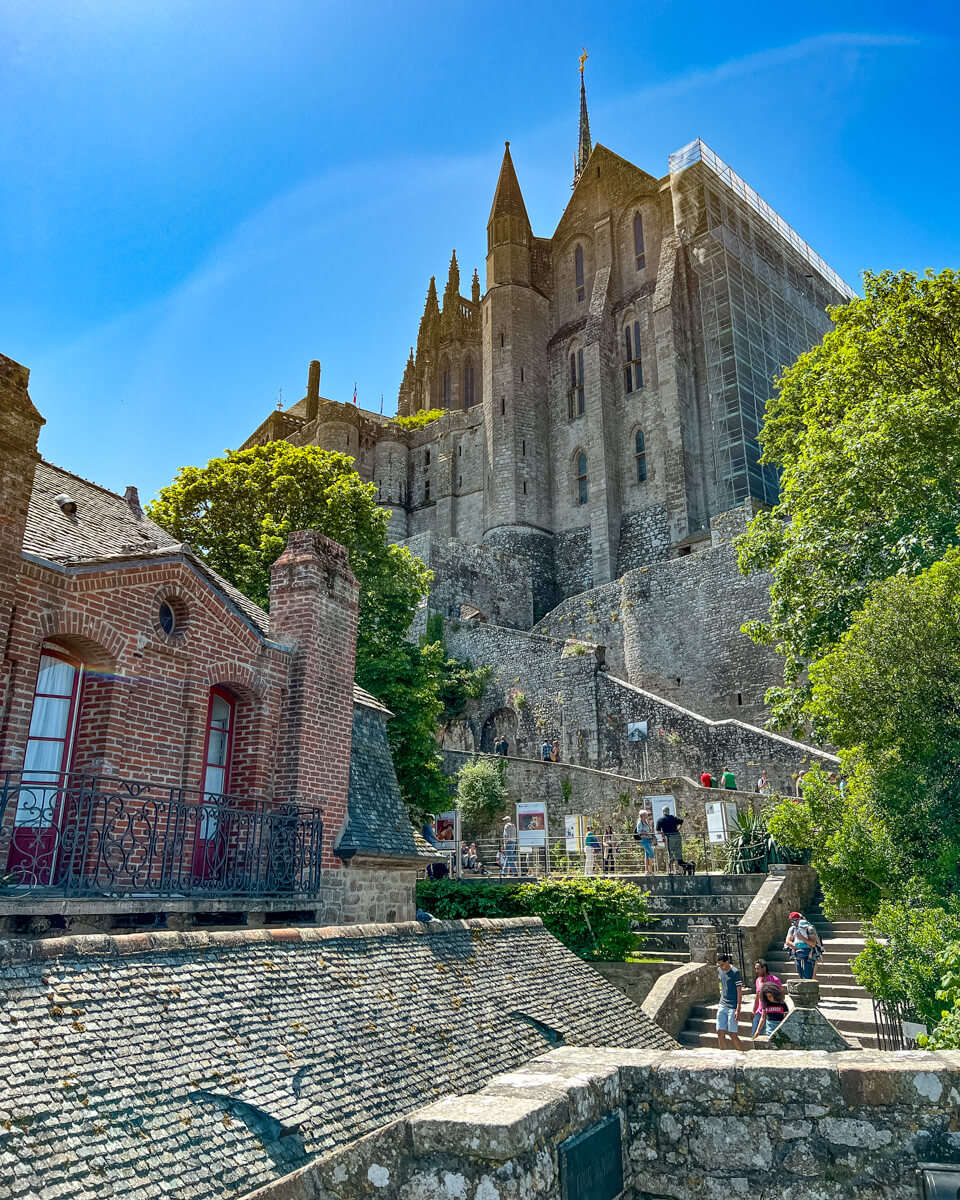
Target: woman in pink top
(762, 975)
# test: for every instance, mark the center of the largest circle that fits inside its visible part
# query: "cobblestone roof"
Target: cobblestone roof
(207, 1064)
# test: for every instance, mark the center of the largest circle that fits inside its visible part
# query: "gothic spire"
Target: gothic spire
(583, 144)
(475, 287)
(451, 293)
(431, 308)
(508, 199)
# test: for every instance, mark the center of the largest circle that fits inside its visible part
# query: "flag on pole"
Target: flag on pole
(354, 393)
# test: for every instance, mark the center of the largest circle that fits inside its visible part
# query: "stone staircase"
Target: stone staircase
(676, 900)
(842, 1000)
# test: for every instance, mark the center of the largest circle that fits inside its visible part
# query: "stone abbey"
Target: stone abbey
(601, 400)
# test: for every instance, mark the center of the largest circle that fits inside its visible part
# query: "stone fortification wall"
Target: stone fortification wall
(695, 1125)
(211, 1064)
(674, 627)
(543, 688)
(494, 581)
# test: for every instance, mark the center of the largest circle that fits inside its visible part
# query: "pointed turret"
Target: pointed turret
(451, 294)
(508, 230)
(583, 144)
(432, 307)
(475, 287)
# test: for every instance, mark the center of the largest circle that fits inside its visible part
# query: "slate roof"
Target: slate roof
(377, 819)
(204, 1065)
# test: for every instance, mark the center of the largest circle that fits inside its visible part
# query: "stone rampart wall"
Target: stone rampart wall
(696, 1125)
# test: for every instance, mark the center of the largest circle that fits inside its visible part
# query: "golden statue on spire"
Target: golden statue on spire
(583, 58)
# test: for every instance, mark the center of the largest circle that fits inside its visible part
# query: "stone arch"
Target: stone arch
(94, 642)
(500, 723)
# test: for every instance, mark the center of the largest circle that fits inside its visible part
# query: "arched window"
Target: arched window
(575, 398)
(445, 402)
(578, 268)
(638, 241)
(468, 393)
(640, 455)
(581, 478)
(633, 365)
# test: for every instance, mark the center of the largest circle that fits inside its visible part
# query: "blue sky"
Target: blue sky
(199, 196)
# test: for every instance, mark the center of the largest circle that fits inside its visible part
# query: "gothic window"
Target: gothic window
(633, 365)
(640, 456)
(638, 241)
(468, 393)
(446, 388)
(575, 398)
(578, 267)
(581, 478)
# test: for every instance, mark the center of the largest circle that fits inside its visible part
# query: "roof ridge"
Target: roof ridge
(126, 945)
(83, 479)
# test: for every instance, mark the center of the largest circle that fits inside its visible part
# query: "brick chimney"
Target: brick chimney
(313, 610)
(19, 429)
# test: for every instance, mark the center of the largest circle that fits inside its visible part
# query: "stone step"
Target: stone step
(700, 905)
(673, 922)
(654, 939)
(702, 885)
(708, 1040)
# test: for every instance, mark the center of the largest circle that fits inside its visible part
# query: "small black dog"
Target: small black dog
(688, 868)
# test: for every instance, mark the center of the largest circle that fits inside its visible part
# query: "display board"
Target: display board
(532, 823)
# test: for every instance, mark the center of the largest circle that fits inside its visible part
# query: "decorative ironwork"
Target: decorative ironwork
(83, 835)
(730, 942)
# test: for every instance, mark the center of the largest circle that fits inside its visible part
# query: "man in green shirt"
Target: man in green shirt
(727, 779)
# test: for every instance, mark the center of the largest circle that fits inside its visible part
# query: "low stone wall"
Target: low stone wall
(634, 979)
(785, 890)
(669, 1001)
(698, 1125)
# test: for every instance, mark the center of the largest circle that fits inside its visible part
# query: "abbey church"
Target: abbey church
(599, 404)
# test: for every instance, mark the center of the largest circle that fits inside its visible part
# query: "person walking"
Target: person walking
(773, 1006)
(610, 847)
(728, 780)
(643, 833)
(801, 941)
(669, 829)
(731, 998)
(706, 779)
(555, 751)
(762, 975)
(509, 845)
(763, 784)
(545, 752)
(591, 845)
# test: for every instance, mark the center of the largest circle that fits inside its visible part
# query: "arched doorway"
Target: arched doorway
(502, 723)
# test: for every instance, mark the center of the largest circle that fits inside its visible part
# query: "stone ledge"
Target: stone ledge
(105, 945)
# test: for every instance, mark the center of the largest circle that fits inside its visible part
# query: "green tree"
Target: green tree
(236, 513)
(865, 429)
(481, 795)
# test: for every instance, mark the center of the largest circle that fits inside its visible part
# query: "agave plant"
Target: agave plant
(751, 848)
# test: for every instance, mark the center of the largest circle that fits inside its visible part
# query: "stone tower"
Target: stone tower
(517, 475)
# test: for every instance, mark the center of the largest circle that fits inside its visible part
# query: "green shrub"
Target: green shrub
(417, 420)
(592, 917)
(481, 795)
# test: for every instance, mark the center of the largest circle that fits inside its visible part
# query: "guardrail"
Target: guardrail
(83, 835)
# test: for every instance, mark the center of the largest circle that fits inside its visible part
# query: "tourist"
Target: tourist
(706, 779)
(802, 939)
(763, 784)
(508, 843)
(555, 751)
(731, 997)
(546, 752)
(773, 1006)
(644, 835)
(761, 974)
(591, 845)
(610, 848)
(800, 775)
(429, 832)
(669, 829)
(728, 780)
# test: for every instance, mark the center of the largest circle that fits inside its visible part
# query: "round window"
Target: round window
(167, 619)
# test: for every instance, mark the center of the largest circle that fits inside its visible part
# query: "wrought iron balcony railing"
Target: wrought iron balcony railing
(97, 836)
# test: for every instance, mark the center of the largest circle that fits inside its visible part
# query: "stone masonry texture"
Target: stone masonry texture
(206, 1065)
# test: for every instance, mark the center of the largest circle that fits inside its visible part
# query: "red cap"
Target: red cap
(792, 915)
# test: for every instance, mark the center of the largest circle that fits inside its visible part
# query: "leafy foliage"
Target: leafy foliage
(237, 511)
(946, 1035)
(865, 429)
(593, 917)
(459, 681)
(417, 420)
(481, 795)
(752, 846)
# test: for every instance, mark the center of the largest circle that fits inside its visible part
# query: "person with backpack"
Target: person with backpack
(802, 940)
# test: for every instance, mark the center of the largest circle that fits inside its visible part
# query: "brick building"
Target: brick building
(168, 752)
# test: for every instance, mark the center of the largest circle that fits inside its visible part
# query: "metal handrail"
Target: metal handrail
(97, 836)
